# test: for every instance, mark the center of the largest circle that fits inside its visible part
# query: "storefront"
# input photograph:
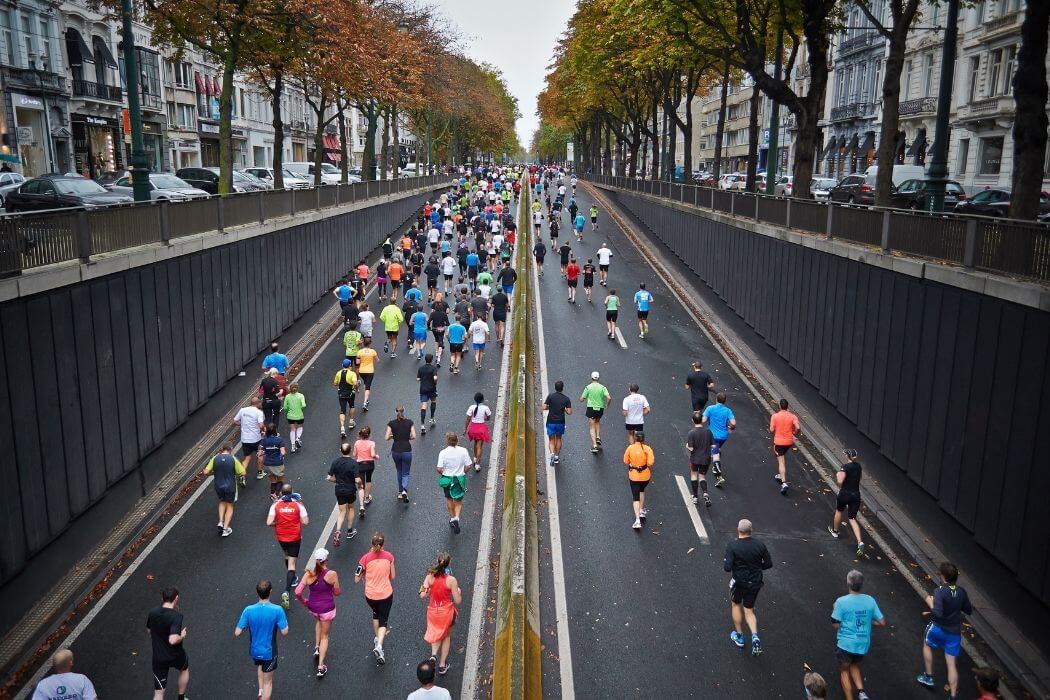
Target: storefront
(96, 145)
(31, 134)
(209, 134)
(152, 142)
(184, 153)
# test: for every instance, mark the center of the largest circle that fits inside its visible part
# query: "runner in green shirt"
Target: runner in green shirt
(392, 319)
(597, 398)
(612, 310)
(352, 341)
(294, 407)
(594, 217)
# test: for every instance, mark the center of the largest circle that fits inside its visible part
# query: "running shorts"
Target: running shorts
(699, 405)
(744, 596)
(849, 502)
(391, 335)
(782, 450)
(395, 284)
(290, 549)
(603, 268)
(588, 281)
(439, 337)
(499, 317)
(428, 396)
(635, 427)
(432, 283)
(700, 468)
(573, 283)
(367, 378)
(346, 403)
(637, 489)
(345, 496)
(455, 347)
(611, 315)
(643, 315)
(555, 429)
(181, 662)
(365, 469)
(847, 657)
(249, 448)
(716, 444)
(419, 336)
(381, 609)
(267, 665)
(226, 496)
(478, 346)
(595, 413)
(936, 638)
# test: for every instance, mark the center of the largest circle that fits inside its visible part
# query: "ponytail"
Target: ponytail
(478, 398)
(318, 568)
(440, 566)
(377, 542)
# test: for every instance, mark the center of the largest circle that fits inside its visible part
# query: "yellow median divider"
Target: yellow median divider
(517, 663)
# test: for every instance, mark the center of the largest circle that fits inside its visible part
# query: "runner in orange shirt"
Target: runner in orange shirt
(396, 271)
(639, 459)
(784, 426)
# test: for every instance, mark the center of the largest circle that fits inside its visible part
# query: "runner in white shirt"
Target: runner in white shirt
(561, 189)
(433, 236)
(635, 408)
(447, 228)
(366, 321)
(63, 684)
(537, 221)
(479, 335)
(604, 258)
(448, 271)
(452, 463)
(252, 422)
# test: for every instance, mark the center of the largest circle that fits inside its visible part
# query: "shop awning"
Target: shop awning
(201, 87)
(79, 53)
(215, 87)
(869, 142)
(842, 143)
(901, 142)
(107, 55)
(918, 143)
(830, 148)
(854, 142)
(330, 141)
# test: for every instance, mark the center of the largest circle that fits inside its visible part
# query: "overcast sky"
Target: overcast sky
(520, 46)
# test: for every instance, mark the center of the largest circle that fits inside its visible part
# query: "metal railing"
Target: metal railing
(921, 105)
(98, 91)
(35, 239)
(1006, 246)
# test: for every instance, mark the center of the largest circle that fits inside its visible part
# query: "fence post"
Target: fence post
(757, 198)
(970, 244)
(262, 207)
(787, 213)
(292, 191)
(732, 203)
(885, 231)
(165, 222)
(831, 208)
(367, 183)
(712, 207)
(220, 218)
(82, 239)
(317, 197)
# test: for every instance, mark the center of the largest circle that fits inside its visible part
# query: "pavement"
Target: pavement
(648, 612)
(216, 576)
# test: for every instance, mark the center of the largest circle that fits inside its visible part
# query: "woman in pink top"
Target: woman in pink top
(445, 595)
(365, 454)
(377, 569)
(323, 584)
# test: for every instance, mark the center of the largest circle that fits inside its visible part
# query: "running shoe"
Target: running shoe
(707, 501)
(242, 481)
(227, 532)
(351, 533)
(317, 653)
(337, 538)
(393, 355)
(777, 477)
(424, 429)
(644, 513)
(342, 433)
(925, 679)
(286, 603)
(737, 639)
(442, 670)
(404, 495)
(553, 460)
(351, 424)
(756, 645)
(594, 449)
(861, 695)
(299, 444)
(368, 500)
(221, 528)
(321, 671)
(452, 524)
(695, 500)
(433, 659)
(641, 335)
(783, 489)
(365, 407)
(380, 656)
(860, 549)
(477, 467)
(455, 526)
(637, 524)
(833, 532)
(433, 422)
(361, 512)
(599, 441)
(386, 347)
(260, 475)
(293, 448)
(720, 481)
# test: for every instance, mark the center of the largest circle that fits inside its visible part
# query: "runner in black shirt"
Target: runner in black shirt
(500, 301)
(427, 376)
(416, 260)
(167, 634)
(565, 251)
(848, 500)
(588, 278)
(343, 472)
(539, 252)
(699, 383)
(557, 406)
(432, 271)
(698, 443)
(438, 323)
(746, 558)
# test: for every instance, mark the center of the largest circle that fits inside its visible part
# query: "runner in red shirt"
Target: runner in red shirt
(572, 277)
(287, 517)
(784, 427)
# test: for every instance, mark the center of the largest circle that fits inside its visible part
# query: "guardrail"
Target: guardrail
(34, 239)
(1004, 246)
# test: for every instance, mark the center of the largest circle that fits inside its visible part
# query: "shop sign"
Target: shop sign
(30, 102)
(25, 134)
(209, 128)
(95, 121)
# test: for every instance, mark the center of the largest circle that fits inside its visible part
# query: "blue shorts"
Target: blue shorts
(555, 429)
(419, 336)
(508, 288)
(477, 346)
(716, 444)
(936, 638)
(428, 396)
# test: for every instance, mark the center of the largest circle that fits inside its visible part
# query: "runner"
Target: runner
(396, 271)
(848, 501)
(746, 558)
(367, 358)
(721, 421)
(537, 219)
(948, 604)
(572, 277)
(382, 270)
(400, 432)
(275, 360)
(565, 253)
(272, 453)
(588, 279)
(444, 594)
(376, 567)
(639, 459)
(579, 223)
(294, 407)
(343, 472)
(343, 293)
(485, 284)
(252, 423)
(506, 277)
(642, 299)
(352, 341)
(448, 271)
(365, 455)
(287, 517)
(323, 584)
(228, 473)
(604, 259)
(366, 321)
(438, 325)
(432, 272)
(853, 615)
(557, 405)
(346, 383)
(457, 334)
(539, 252)
(479, 335)
(784, 426)
(476, 427)
(62, 682)
(392, 318)
(699, 442)
(427, 376)
(699, 384)
(594, 217)
(612, 312)
(167, 634)
(452, 463)
(419, 322)
(597, 399)
(473, 263)
(272, 392)
(263, 620)
(635, 408)
(499, 303)
(554, 227)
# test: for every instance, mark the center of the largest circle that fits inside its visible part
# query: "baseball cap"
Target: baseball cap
(321, 554)
(850, 453)
(346, 363)
(594, 375)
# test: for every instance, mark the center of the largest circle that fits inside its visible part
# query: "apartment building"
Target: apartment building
(735, 133)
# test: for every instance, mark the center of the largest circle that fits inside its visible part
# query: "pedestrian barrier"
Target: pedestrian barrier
(1006, 246)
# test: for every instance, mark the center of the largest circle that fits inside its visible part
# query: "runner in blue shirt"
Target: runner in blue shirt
(262, 620)
(642, 299)
(579, 223)
(853, 616)
(415, 295)
(343, 292)
(457, 333)
(473, 261)
(419, 332)
(720, 419)
(275, 360)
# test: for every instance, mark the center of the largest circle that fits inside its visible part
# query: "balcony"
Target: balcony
(857, 110)
(923, 105)
(996, 26)
(29, 80)
(856, 43)
(97, 91)
(987, 113)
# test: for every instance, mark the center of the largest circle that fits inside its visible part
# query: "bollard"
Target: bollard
(831, 208)
(220, 218)
(82, 239)
(970, 244)
(885, 231)
(787, 213)
(165, 222)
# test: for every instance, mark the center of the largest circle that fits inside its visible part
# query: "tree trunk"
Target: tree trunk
(891, 97)
(716, 171)
(319, 139)
(752, 140)
(384, 158)
(1030, 121)
(278, 130)
(344, 165)
(368, 160)
(687, 139)
(632, 163)
(607, 152)
(225, 122)
(655, 136)
(395, 134)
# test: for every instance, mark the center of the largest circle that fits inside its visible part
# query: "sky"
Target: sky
(520, 46)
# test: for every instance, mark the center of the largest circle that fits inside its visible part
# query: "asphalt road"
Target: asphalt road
(217, 576)
(648, 611)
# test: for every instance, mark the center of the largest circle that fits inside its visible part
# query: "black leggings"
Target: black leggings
(637, 489)
(365, 470)
(381, 609)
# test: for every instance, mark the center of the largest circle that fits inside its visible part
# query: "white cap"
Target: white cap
(321, 554)
(594, 375)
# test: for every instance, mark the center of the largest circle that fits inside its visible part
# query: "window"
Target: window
(975, 70)
(907, 80)
(964, 156)
(1011, 67)
(185, 115)
(99, 49)
(979, 13)
(927, 74)
(202, 102)
(876, 82)
(244, 112)
(862, 81)
(45, 46)
(990, 160)
(936, 14)
(171, 112)
(8, 37)
(995, 65)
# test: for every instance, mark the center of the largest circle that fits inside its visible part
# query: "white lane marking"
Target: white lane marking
(326, 530)
(619, 338)
(694, 514)
(568, 691)
(481, 572)
(155, 542)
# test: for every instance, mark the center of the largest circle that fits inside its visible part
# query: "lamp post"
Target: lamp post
(773, 147)
(139, 163)
(939, 157)
(50, 145)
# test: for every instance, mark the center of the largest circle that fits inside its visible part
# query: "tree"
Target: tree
(1030, 121)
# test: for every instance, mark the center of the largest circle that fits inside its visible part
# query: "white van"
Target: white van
(900, 173)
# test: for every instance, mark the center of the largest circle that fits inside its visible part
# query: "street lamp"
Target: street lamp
(139, 162)
(50, 145)
(939, 158)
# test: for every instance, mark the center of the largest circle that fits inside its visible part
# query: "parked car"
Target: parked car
(995, 203)
(727, 181)
(162, 187)
(60, 191)
(107, 178)
(911, 194)
(291, 180)
(207, 179)
(819, 188)
(854, 189)
(9, 182)
(784, 186)
(330, 174)
(259, 183)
